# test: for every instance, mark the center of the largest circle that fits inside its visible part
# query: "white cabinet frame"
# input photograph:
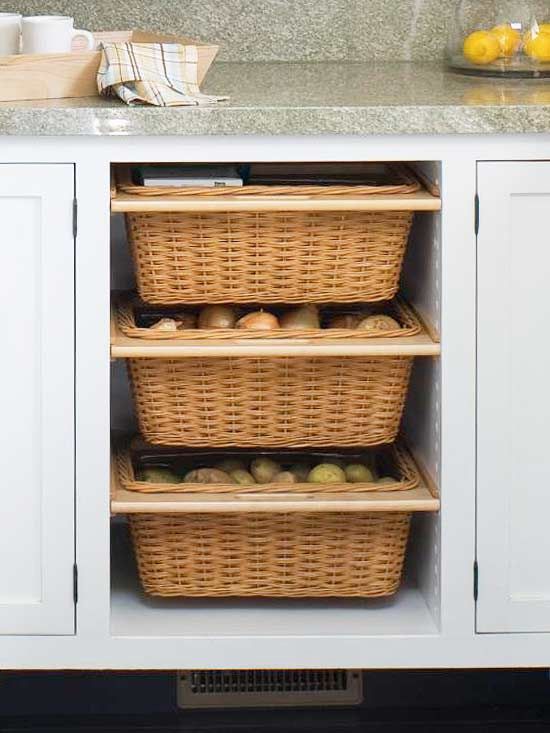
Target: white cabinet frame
(455, 642)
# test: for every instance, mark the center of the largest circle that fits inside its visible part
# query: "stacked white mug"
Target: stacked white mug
(41, 34)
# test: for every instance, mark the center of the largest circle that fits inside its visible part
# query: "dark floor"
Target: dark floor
(503, 701)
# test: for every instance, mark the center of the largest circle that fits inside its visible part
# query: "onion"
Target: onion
(379, 323)
(347, 321)
(165, 324)
(304, 317)
(217, 316)
(186, 321)
(259, 321)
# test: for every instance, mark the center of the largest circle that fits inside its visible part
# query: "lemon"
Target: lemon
(481, 47)
(539, 47)
(509, 39)
(535, 31)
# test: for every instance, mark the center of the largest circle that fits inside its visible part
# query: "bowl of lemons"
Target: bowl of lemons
(492, 38)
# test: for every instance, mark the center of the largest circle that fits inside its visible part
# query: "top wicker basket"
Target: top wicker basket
(272, 244)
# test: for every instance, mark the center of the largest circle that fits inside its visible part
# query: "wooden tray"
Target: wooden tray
(71, 75)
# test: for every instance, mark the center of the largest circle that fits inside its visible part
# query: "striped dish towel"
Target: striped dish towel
(162, 74)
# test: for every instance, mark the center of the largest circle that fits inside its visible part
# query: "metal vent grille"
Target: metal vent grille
(269, 688)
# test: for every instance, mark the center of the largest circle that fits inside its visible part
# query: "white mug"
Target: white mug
(10, 33)
(52, 34)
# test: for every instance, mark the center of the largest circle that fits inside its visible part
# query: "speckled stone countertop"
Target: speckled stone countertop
(308, 99)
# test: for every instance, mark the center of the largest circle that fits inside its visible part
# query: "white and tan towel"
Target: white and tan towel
(162, 74)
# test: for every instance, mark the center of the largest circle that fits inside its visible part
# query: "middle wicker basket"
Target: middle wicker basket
(270, 402)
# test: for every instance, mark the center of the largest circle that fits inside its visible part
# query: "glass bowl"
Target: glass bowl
(505, 38)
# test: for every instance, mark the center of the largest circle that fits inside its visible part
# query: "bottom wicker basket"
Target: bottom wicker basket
(271, 555)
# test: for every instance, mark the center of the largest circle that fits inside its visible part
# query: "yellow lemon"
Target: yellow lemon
(509, 39)
(481, 47)
(535, 31)
(539, 47)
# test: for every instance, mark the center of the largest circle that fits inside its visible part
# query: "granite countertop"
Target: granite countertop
(308, 99)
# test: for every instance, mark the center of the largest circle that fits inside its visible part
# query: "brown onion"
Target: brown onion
(379, 323)
(305, 317)
(347, 321)
(165, 324)
(259, 321)
(217, 316)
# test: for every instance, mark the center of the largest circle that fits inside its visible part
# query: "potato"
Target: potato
(378, 323)
(386, 480)
(159, 476)
(357, 473)
(207, 476)
(217, 316)
(231, 464)
(264, 469)
(300, 471)
(284, 477)
(304, 317)
(327, 473)
(242, 477)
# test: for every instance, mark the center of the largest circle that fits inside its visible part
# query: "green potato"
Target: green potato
(264, 469)
(284, 477)
(300, 471)
(242, 477)
(231, 464)
(327, 473)
(357, 473)
(159, 476)
(207, 476)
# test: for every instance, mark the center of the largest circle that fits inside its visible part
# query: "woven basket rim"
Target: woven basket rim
(408, 184)
(399, 455)
(398, 307)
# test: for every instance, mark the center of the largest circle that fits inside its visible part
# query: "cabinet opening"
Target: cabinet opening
(415, 608)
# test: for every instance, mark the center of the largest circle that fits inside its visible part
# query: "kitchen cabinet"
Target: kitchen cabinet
(484, 394)
(513, 395)
(37, 429)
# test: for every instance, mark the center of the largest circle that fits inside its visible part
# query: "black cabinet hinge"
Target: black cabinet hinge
(75, 217)
(476, 214)
(476, 580)
(75, 583)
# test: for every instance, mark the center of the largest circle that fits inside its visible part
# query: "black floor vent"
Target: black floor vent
(269, 688)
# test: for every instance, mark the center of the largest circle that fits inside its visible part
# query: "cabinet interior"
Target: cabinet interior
(415, 609)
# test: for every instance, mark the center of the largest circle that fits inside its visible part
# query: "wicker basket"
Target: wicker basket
(270, 402)
(129, 312)
(394, 460)
(271, 555)
(269, 257)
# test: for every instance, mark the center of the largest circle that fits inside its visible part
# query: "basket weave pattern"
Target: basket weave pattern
(275, 402)
(271, 555)
(269, 257)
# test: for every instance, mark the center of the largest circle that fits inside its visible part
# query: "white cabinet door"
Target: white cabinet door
(513, 491)
(37, 405)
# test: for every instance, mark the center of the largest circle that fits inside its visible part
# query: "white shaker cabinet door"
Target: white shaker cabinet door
(513, 392)
(37, 405)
